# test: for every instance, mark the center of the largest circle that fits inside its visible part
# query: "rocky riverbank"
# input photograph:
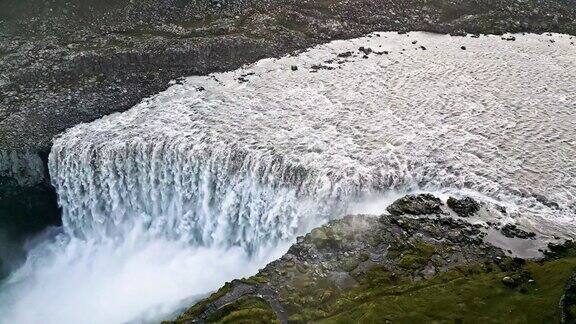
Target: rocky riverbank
(62, 63)
(400, 267)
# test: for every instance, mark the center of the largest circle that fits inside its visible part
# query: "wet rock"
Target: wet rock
(546, 202)
(464, 207)
(325, 237)
(463, 48)
(317, 67)
(557, 250)
(512, 231)
(371, 252)
(509, 282)
(318, 236)
(345, 54)
(24, 212)
(429, 271)
(365, 50)
(421, 204)
(501, 209)
(393, 254)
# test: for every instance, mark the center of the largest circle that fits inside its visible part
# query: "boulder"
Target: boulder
(512, 231)
(463, 207)
(421, 204)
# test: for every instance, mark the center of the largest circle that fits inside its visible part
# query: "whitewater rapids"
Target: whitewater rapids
(246, 160)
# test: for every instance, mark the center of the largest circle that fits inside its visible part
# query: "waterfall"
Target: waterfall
(216, 176)
(207, 196)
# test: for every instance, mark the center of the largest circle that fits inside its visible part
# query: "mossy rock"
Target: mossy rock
(244, 310)
(411, 261)
(417, 255)
(255, 280)
(197, 309)
(421, 204)
(477, 296)
(325, 237)
(349, 264)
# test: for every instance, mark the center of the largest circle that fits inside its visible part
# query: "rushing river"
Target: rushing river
(214, 177)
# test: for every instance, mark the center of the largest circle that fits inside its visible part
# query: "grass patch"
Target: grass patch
(459, 296)
(244, 310)
(197, 309)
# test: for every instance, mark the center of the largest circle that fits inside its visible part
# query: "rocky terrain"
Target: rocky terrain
(399, 267)
(66, 62)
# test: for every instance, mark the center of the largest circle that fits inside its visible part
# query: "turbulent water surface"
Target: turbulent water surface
(216, 174)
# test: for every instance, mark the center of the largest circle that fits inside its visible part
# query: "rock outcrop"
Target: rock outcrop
(397, 269)
(422, 204)
(463, 207)
(512, 231)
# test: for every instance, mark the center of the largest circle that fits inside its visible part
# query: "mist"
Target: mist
(134, 278)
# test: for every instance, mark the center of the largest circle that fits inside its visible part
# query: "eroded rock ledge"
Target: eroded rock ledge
(395, 268)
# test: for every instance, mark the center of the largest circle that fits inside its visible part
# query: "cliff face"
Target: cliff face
(398, 269)
(64, 63)
(27, 203)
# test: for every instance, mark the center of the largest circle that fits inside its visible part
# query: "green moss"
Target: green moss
(412, 261)
(572, 311)
(255, 280)
(469, 294)
(380, 276)
(198, 308)
(323, 237)
(424, 249)
(349, 264)
(417, 255)
(476, 296)
(244, 310)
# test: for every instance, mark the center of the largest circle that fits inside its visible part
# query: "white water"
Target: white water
(192, 188)
(136, 278)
